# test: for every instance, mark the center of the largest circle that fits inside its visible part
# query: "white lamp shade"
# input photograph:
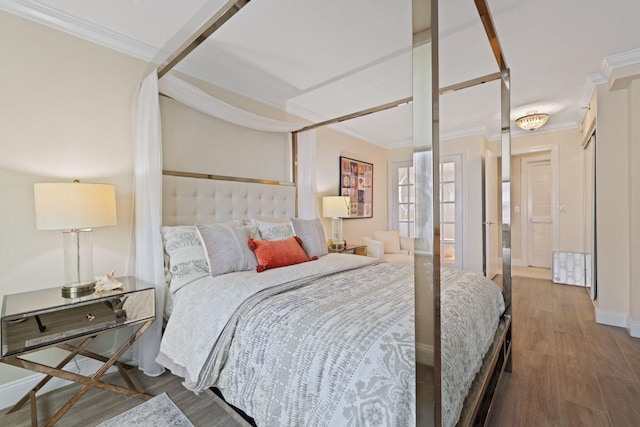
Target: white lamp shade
(74, 205)
(336, 206)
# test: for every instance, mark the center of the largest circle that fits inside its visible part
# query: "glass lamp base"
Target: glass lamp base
(77, 290)
(336, 245)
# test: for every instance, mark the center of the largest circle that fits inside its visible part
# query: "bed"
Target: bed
(324, 342)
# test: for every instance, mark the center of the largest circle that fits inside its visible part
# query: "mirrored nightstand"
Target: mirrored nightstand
(35, 320)
(352, 249)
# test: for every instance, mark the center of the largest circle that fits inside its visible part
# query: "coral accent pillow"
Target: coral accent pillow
(278, 253)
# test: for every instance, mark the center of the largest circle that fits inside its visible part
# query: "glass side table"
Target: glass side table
(35, 320)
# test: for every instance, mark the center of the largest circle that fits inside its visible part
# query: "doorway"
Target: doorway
(537, 202)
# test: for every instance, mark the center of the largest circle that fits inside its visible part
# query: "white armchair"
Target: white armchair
(389, 246)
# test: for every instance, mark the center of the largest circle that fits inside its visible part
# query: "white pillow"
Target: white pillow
(227, 248)
(390, 239)
(311, 233)
(184, 255)
(274, 230)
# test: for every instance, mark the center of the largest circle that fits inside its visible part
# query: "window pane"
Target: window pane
(449, 252)
(448, 232)
(412, 213)
(404, 229)
(448, 172)
(411, 180)
(402, 176)
(402, 213)
(403, 193)
(448, 212)
(449, 192)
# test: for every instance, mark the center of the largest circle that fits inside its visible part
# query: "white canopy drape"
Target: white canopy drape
(148, 184)
(148, 215)
(199, 100)
(307, 189)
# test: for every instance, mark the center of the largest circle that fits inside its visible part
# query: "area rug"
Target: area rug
(159, 411)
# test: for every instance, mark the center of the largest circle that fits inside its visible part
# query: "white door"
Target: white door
(539, 211)
(492, 225)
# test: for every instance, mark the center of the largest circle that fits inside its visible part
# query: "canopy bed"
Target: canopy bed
(208, 356)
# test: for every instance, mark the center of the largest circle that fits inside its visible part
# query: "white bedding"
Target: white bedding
(337, 352)
(251, 335)
(471, 306)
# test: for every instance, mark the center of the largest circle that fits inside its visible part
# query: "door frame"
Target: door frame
(555, 187)
(525, 245)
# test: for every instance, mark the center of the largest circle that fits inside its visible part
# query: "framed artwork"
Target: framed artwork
(356, 182)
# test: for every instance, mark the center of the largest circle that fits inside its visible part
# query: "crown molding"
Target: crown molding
(53, 18)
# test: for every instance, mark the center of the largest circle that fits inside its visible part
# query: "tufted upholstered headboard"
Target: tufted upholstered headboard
(187, 200)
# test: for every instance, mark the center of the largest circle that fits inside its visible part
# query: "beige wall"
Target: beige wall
(195, 142)
(65, 114)
(618, 199)
(634, 175)
(330, 146)
(612, 202)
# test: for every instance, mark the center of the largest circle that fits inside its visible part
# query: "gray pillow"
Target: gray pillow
(227, 248)
(311, 233)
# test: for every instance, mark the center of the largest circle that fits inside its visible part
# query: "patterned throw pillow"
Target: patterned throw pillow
(274, 230)
(311, 232)
(227, 248)
(186, 260)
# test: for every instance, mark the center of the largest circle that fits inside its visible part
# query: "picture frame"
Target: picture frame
(356, 182)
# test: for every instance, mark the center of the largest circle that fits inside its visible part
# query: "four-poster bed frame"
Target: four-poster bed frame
(479, 401)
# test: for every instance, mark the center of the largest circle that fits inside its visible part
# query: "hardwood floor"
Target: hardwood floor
(567, 370)
(97, 405)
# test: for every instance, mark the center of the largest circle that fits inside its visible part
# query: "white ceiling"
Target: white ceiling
(322, 59)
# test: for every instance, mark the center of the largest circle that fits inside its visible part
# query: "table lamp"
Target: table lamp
(336, 207)
(76, 208)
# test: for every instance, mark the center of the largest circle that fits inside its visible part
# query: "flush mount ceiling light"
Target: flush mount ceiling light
(532, 121)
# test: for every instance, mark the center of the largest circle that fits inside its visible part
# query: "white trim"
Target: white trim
(13, 391)
(634, 329)
(517, 262)
(54, 18)
(611, 318)
(424, 354)
(554, 155)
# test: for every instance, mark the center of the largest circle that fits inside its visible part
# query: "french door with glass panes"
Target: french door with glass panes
(402, 212)
(451, 210)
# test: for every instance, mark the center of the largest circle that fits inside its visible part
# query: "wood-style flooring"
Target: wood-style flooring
(96, 406)
(567, 370)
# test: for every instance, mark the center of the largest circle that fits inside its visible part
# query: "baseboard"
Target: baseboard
(11, 392)
(634, 329)
(612, 318)
(424, 354)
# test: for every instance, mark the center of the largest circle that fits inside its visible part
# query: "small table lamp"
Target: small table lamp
(336, 207)
(76, 208)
